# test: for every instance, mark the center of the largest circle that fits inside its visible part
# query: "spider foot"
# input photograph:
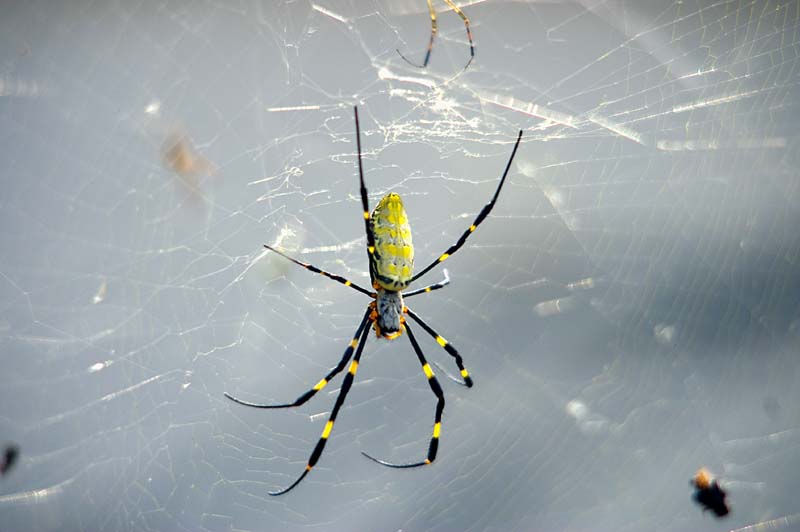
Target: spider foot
(396, 466)
(290, 488)
(257, 405)
(404, 58)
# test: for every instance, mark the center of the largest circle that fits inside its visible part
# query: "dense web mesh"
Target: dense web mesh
(629, 311)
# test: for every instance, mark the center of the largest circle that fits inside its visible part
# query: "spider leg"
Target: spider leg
(441, 284)
(312, 268)
(469, 32)
(447, 347)
(437, 423)
(447, 374)
(326, 432)
(364, 201)
(480, 218)
(321, 384)
(434, 30)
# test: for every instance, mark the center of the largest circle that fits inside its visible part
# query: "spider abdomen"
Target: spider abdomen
(392, 260)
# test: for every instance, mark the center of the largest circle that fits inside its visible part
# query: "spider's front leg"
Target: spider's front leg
(478, 219)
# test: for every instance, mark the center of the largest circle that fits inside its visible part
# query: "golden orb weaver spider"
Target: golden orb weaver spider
(391, 262)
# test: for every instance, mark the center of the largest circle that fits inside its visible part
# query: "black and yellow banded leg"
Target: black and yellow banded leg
(437, 420)
(434, 30)
(364, 200)
(312, 268)
(447, 347)
(441, 284)
(326, 432)
(480, 218)
(321, 384)
(469, 31)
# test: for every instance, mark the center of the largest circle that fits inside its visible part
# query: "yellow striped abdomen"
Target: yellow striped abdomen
(392, 260)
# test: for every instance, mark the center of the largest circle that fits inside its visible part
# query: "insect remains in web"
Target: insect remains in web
(9, 458)
(709, 494)
(435, 30)
(390, 252)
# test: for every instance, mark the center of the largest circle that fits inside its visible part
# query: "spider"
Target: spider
(435, 29)
(391, 262)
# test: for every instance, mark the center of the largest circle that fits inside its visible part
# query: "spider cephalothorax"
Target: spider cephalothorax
(388, 317)
(391, 266)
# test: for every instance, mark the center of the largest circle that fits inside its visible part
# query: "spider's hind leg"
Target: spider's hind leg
(447, 347)
(325, 380)
(434, 30)
(326, 432)
(437, 423)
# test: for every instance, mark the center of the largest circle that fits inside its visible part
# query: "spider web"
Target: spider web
(628, 311)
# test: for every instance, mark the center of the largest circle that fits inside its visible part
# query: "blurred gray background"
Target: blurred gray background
(629, 311)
